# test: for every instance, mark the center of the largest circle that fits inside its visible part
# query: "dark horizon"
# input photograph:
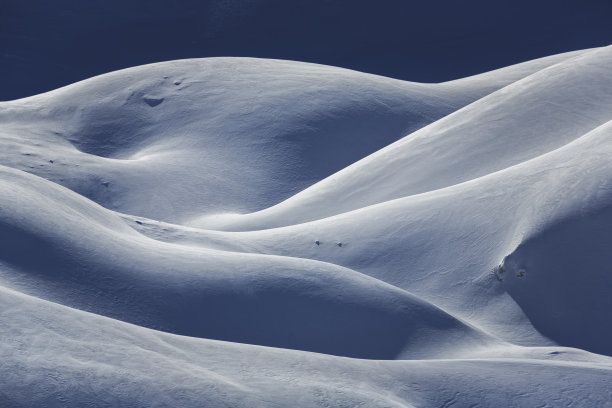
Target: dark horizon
(44, 45)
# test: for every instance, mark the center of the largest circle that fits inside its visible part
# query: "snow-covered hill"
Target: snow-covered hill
(244, 232)
(179, 140)
(45, 45)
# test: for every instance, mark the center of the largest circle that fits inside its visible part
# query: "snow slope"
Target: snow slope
(176, 140)
(45, 45)
(246, 232)
(54, 356)
(85, 257)
(525, 119)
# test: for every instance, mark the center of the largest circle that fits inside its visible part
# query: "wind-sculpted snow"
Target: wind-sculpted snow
(285, 216)
(523, 120)
(54, 356)
(177, 140)
(74, 256)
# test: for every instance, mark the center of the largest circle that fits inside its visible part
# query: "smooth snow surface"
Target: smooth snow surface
(243, 232)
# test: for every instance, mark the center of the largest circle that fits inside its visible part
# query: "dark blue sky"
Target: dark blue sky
(45, 44)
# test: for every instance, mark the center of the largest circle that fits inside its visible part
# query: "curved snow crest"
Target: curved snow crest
(176, 140)
(522, 120)
(128, 365)
(257, 299)
(446, 241)
(477, 243)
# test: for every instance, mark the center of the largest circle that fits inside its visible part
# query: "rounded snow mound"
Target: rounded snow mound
(176, 140)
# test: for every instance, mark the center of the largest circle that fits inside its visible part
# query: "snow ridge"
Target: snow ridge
(272, 233)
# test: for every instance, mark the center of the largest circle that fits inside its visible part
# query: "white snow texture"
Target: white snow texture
(238, 232)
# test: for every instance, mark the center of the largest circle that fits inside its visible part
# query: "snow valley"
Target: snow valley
(249, 232)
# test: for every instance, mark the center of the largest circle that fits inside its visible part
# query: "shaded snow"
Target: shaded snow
(269, 233)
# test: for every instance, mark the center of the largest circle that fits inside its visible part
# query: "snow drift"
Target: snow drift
(194, 230)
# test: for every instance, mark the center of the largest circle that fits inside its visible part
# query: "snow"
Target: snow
(252, 232)
(525, 119)
(236, 134)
